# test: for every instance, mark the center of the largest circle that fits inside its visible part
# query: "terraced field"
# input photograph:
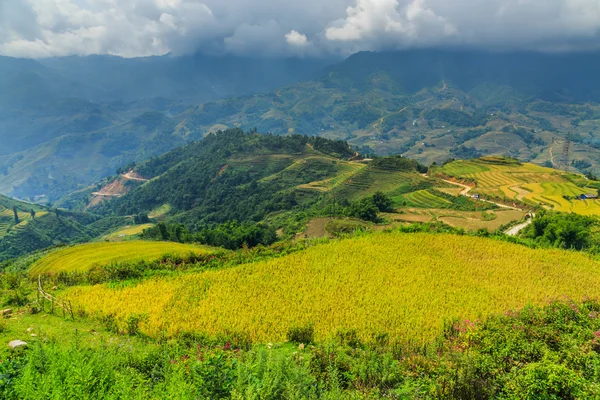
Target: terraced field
(426, 199)
(346, 171)
(369, 180)
(7, 219)
(85, 256)
(527, 183)
(378, 283)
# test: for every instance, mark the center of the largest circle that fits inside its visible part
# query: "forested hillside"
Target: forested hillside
(25, 228)
(233, 175)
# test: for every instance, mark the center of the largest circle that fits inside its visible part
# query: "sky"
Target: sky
(130, 28)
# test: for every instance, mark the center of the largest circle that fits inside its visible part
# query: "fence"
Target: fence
(43, 297)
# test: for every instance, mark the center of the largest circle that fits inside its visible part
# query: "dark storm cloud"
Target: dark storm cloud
(41, 28)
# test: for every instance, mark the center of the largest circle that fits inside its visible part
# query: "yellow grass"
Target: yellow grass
(83, 257)
(402, 284)
(129, 231)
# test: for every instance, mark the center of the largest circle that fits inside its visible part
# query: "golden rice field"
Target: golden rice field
(83, 257)
(525, 182)
(128, 231)
(404, 284)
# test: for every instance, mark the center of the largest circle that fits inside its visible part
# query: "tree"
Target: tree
(164, 234)
(382, 202)
(364, 209)
(141, 218)
(32, 212)
(16, 214)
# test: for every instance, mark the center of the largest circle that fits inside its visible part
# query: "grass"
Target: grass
(160, 212)
(372, 284)
(83, 257)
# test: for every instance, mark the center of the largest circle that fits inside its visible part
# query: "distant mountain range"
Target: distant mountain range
(65, 123)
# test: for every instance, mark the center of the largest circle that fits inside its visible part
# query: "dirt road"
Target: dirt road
(467, 189)
(129, 175)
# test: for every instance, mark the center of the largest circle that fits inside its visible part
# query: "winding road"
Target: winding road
(515, 230)
(467, 189)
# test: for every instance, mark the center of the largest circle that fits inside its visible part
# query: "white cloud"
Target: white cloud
(296, 38)
(39, 28)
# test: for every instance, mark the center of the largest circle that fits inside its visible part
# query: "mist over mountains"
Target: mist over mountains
(68, 122)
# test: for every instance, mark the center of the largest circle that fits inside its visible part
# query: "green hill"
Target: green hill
(36, 227)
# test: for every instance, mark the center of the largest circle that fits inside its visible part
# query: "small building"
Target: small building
(591, 196)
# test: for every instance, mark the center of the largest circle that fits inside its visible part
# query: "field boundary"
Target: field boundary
(43, 296)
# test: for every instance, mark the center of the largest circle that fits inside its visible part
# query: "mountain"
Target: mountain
(48, 108)
(435, 105)
(429, 105)
(281, 180)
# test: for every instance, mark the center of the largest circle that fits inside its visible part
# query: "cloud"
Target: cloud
(296, 38)
(42, 28)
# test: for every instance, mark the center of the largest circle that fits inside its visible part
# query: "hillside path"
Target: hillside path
(467, 189)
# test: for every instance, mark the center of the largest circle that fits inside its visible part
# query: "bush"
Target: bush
(301, 334)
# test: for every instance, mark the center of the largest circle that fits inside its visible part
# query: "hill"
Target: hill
(281, 180)
(425, 104)
(84, 257)
(374, 284)
(36, 227)
(510, 179)
(234, 175)
(434, 105)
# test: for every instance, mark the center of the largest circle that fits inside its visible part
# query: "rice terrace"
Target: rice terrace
(511, 180)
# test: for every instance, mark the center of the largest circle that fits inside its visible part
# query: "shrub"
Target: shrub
(301, 334)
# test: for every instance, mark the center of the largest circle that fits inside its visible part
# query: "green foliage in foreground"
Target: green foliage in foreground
(550, 352)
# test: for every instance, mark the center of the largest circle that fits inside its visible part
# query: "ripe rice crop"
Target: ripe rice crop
(545, 186)
(129, 231)
(405, 285)
(83, 257)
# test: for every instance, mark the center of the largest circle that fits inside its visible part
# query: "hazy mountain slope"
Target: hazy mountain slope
(49, 170)
(434, 105)
(49, 108)
(429, 105)
(196, 78)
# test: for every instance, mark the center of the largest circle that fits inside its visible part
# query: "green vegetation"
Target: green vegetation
(545, 351)
(565, 231)
(535, 353)
(25, 227)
